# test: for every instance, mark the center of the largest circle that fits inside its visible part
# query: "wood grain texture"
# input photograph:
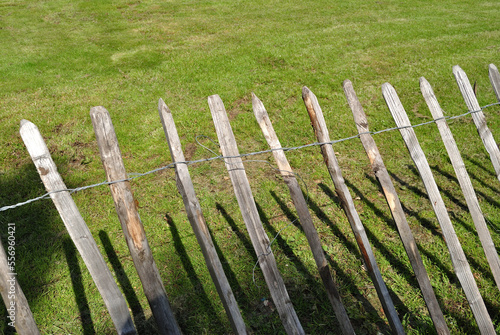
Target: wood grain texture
(495, 80)
(380, 171)
(14, 299)
(303, 213)
(321, 131)
(77, 229)
(478, 117)
(463, 180)
(258, 236)
(459, 261)
(195, 216)
(132, 227)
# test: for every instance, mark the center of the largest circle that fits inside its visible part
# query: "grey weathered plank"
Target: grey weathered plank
(478, 117)
(258, 236)
(303, 213)
(321, 131)
(463, 180)
(397, 212)
(132, 227)
(195, 216)
(495, 80)
(13, 297)
(77, 229)
(459, 261)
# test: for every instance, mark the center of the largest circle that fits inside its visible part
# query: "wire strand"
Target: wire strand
(215, 157)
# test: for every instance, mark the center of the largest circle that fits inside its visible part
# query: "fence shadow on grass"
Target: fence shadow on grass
(401, 268)
(239, 293)
(143, 326)
(371, 312)
(203, 305)
(479, 193)
(341, 275)
(468, 226)
(78, 288)
(39, 233)
(243, 238)
(462, 322)
(259, 318)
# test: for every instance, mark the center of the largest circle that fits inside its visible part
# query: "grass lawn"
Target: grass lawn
(60, 58)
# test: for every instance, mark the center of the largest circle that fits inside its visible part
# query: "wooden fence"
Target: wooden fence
(142, 257)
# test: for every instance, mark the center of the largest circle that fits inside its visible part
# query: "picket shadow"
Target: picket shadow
(367, 306)
(395, 262)
(39, 231)
(482, 167)
(243, 238)
(452, 278)
(287, 250)
(479, 193)
(78, 288)
(142, 325)
(339, 273)
(239, 293)
(216, 322)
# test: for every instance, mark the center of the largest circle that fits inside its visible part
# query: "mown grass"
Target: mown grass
(61, 58)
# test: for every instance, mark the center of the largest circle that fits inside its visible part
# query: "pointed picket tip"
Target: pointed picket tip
(347, 83)
(305, 91)
(256, 100)
(457, 69)
(423, 81)
(23, 122)
(492, 67)
(258, 108)
(162, 106)
(214, 97)
(98, 110)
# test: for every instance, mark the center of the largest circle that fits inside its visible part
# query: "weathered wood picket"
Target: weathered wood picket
(460, 263)
(77, 229)
(126, 208)
(319, 126)
(142, 257)
(396, 208)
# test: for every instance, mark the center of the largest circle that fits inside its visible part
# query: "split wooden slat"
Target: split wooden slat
(195, 216)
(258, 236)
(459, 261)
(478, 117)
(303, 213)
(18, 310)
(132, 227)
(463, 180)
(321, 131)
(495, 80)
(77, 229)
(378, 167)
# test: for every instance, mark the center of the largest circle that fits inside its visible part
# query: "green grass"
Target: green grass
(61, 58)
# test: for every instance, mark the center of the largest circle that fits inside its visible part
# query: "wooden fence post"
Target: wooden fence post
(304, 215)
(132, 227)
(378, 167)
(495, 80)
(18, 310)
(258, 236)
(460, 264)
(321, 131)
(195, 216)
(77, 229)
(478, 117)
(463, 180)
